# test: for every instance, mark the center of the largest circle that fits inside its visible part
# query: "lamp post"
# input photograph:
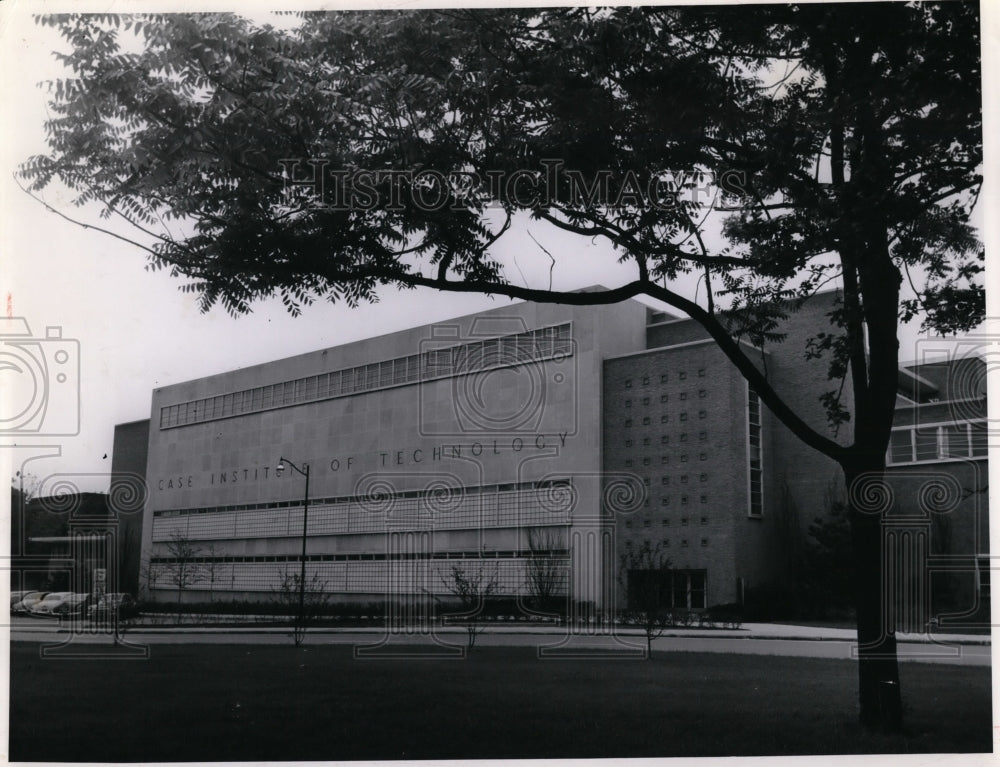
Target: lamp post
(304, 471)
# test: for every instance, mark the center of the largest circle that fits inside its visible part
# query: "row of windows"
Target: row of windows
(702, 393)
(205, 562)
(665, 479)
(670, 589)
(383, 514)
(664, 418)
(682, 458)
(664, 378)
(914, 444)
(664, 460)
(665, 440)
(683, 499)
(392, 577)
(442, 497)
(664, 522)
(505, 351)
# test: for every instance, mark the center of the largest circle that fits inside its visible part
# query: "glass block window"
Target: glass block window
(755, 454)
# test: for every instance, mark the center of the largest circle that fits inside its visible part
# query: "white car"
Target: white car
(48, 605)
(75, 604)
(29, 600)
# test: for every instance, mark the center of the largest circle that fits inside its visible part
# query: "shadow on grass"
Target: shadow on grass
(245, 702)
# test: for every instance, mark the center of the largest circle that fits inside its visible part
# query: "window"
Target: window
(937, 442)
(628, 463)
(645, 440)
(628, 383)
(664, 418)
(665, 522)
(665, 439)
(645, 421)
(645, 461)
(701, 372)
(628, 403)
(478, 355)
(925, 444)
(704, 520)
(683, 395)
(755, 455)
(645, 380)
(682, 376)
(645, 400)
(664, 398)
(684, 416)
(628, 443)
(645, 523)
(704, 542)
(628, 422)
(663, 379)
(677, 588)
(983, 565)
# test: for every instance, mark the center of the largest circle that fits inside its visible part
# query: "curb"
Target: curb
(730, 635)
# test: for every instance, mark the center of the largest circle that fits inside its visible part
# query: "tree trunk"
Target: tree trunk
(878, 670)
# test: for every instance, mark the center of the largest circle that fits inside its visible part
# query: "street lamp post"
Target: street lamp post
(304, 471)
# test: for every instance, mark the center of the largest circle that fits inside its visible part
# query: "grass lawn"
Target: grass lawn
(245, 702)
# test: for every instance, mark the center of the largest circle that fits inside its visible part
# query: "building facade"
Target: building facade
(524, 441)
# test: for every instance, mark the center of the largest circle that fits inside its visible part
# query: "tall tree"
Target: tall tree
(346, 152)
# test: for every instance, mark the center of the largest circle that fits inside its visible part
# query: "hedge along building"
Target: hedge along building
(532, 434)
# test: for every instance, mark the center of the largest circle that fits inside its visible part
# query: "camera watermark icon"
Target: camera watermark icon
(41, 381)
(499, 380)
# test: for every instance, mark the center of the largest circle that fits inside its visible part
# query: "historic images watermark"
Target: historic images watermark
(40, 377)
(315, 181)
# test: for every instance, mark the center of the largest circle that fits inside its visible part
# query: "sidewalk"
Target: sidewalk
(755, 631)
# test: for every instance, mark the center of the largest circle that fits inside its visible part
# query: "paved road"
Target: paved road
(549, 642)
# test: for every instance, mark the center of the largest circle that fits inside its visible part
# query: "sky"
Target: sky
(134, 330)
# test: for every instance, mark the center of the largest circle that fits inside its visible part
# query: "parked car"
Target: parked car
(75, 604)
(28, 601)
(47, 605)
(108, 605)
(17, 596)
